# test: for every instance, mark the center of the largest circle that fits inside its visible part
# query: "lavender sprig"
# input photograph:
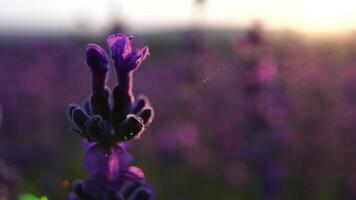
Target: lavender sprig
(105, 127)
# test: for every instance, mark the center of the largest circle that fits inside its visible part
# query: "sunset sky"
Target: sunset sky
(147, 15)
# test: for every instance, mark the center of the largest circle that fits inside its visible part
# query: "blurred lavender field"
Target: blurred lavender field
(247, 114)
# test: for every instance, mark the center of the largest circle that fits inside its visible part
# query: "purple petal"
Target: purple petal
(86, 144)
(120, 46)
(134, 173)
(106, 162)
(137, 57)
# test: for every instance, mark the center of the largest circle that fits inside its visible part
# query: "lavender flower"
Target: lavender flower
(104, 128)
(261, 92)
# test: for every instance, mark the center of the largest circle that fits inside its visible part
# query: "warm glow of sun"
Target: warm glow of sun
(326, 15)
(313, 16)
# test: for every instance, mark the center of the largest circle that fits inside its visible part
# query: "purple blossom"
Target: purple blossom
(105, 127)
(264, 136)
(125, 59)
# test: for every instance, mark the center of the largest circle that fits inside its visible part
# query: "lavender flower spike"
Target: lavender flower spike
(126, 61)
(103, 128)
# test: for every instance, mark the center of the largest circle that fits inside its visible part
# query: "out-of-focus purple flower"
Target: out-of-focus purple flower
(266, 146)
(105, 127)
